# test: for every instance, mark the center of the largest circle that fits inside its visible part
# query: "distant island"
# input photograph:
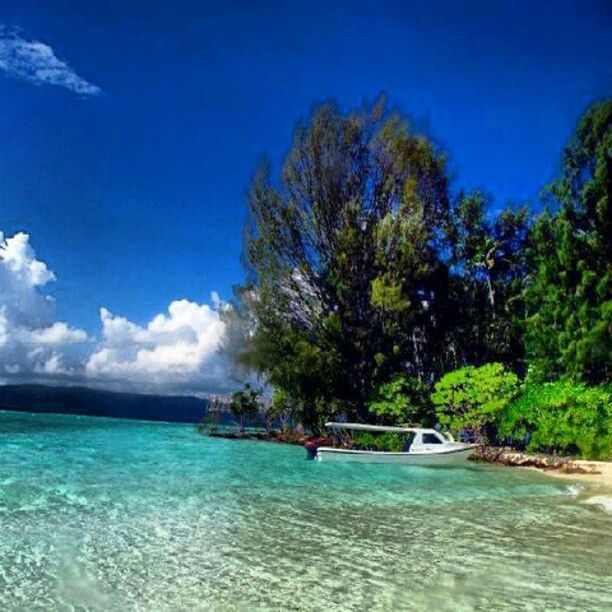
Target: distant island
(95, 402)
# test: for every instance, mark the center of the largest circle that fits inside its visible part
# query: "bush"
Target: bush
(389, 441)
(402, 400)
(561, 417)
(244, 404)
(472, 398)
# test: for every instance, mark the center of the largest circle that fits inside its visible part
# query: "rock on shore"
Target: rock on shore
(597, 473)
(509, 456)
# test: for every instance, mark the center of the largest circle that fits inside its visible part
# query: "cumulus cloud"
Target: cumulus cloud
(57, 334)
(31, 340)
(36, 62)
(176, 351)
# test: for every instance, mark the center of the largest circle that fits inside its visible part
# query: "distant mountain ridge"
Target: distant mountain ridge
(96, 402)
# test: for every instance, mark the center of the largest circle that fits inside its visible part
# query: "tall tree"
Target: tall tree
(490, 265)
(569, 297)
(343, 260)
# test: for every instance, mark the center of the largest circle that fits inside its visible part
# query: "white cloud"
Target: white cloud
(18, 257)
(53, 365)
(216, 300)
(36, 61)
(176, 351)
(31, 340)
(57, 334)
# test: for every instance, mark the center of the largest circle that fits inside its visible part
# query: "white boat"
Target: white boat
(426, 447)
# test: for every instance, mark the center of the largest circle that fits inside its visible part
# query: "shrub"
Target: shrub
(472, 398)
(561, 417)
(402, 400)
(388, 441)
(364, 440)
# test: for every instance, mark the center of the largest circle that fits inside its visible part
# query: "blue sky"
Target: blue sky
(134, 195)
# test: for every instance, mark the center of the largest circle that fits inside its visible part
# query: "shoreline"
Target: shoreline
(565, 468)
(596, 473)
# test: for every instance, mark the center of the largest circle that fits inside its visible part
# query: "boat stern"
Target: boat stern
(311, 450)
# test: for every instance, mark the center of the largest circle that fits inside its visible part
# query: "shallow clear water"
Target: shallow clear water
(105, 514)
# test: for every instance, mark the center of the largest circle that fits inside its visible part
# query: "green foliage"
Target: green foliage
(245, 404)
(492, 256)
(282, 408)
(404, 399)
(561, 417)
(569, 296)
(387, 295)
(388, 441)
(359, 266)
(472, 397)
(339, 255)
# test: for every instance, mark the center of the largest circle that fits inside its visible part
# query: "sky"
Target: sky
(129, 131)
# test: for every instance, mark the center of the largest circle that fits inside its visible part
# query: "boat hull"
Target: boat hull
(442, 458)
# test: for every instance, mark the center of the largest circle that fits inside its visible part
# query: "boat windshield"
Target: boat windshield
(430, 438)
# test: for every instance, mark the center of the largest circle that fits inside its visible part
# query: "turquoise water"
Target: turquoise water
(104, 514)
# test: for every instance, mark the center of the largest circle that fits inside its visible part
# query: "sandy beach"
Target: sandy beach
(595, 472)
(597, 478)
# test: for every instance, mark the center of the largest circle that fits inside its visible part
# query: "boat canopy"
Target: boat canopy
(362, 427)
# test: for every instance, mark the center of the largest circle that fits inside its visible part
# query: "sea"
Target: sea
(115, 514)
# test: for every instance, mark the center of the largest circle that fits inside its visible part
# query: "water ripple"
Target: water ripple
(100, 514)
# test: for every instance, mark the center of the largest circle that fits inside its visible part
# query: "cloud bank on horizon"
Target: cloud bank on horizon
(175, 351)
(36, 62)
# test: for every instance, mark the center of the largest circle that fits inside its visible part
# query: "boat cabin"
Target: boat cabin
(411, 439)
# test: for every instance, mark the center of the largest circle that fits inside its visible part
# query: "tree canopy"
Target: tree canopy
(343, 256)
(569, 296)
(366, 276)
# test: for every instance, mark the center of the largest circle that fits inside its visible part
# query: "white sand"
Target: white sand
(600, 473)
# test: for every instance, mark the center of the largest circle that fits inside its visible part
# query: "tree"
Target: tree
(569, 295)
(489, 255)
(282, 408)
(345, 278)
(472, 398)
(245, 404)
(403, 399)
